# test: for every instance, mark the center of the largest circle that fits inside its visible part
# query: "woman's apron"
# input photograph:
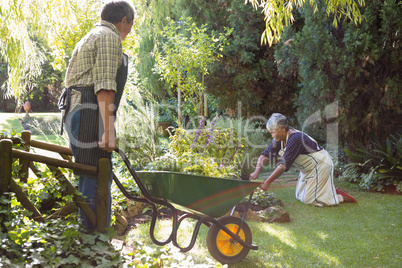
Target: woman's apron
(315, 185)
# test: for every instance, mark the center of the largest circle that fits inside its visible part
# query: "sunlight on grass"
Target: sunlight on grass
(305, 246)
(282, 234)
(366, 234)
(46, 126)
(322, 235)
(199, 252)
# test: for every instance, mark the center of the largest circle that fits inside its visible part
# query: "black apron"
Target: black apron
(91, 125)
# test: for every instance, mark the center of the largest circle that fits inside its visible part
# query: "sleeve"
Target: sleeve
(108, 53)
(272, 150)
(294, 147)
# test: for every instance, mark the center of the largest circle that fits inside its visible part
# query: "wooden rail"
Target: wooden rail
(26, 159)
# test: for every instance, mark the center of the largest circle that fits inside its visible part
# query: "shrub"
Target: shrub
(225, 147)
(54, 243)
(208, 151)
(376, 165)
(252, 131)
(263, 199)
(137, 127)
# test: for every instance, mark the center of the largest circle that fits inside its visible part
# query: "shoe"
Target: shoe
(346, 197)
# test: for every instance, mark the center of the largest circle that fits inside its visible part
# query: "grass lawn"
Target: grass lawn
(366, 234)
(47, 128)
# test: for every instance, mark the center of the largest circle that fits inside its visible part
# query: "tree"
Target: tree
(187, 52)
(357, 67)
(24, 58)
(280, 12)
(21, 20)
(154, 16)
(246, 73)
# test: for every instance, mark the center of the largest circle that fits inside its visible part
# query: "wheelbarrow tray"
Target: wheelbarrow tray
(196, 194)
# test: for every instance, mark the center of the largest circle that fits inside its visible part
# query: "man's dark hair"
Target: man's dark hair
(115, 11)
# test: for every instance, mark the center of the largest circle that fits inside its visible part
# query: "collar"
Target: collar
(109, 25)
(286, 141)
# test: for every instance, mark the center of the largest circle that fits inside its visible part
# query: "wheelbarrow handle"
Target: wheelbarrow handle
(148, 200)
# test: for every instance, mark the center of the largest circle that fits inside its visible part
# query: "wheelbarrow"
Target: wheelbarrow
(205, 199)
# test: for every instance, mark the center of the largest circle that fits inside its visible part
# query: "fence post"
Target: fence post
(26, 136)
(6, 147)
(102, 195)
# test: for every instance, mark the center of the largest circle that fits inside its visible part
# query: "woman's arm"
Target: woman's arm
(274, 175)
(262, 160)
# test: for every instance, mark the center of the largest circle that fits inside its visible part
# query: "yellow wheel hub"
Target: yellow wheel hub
(226, 244)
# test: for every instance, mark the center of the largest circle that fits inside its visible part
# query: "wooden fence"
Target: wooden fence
(26, 159)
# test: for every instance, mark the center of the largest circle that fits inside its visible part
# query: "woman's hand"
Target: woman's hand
(254, 175)
(276, 174)
(264, 186)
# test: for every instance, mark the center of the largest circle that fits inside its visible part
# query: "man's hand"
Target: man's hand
(108, 142)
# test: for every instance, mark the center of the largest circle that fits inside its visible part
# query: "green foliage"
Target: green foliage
(377, 165)
(209, 151)
(22, 22)
(225, 147)
(187, 52)
(263, 199)
(42, 125)
(245, 79)
(137, 124)
(168, 111)
(56, 243)
(279, 13)
(153, 16)
(16, 46)
(167, 256)
(64, 242)
(252, 130)
(357, 70)
(119, 201)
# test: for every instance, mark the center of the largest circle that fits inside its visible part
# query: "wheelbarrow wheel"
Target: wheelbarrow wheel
(222, 246)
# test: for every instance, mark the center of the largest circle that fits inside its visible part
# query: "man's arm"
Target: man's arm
(106, 107)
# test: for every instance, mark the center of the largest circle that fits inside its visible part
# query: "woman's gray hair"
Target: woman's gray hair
(276, 121)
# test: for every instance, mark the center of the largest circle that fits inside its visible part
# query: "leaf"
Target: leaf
(89, 239)
(385, 170)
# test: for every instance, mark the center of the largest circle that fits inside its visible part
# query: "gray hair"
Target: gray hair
(276, 121)
(115, 11)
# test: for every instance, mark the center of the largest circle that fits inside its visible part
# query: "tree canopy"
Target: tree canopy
(24, 23)
(320, 54)
(279, 14)
(187, 52)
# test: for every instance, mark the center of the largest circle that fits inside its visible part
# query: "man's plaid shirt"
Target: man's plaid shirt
(96, 58)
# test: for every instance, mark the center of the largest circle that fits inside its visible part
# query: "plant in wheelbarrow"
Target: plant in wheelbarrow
(209, 151)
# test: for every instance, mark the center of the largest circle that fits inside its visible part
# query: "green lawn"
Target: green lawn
(10, 122)
(366, 234)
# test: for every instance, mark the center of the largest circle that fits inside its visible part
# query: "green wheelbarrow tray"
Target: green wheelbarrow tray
(197, 194)
(202, 198)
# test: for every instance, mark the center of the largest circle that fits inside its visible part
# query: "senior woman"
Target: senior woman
(315, 185)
